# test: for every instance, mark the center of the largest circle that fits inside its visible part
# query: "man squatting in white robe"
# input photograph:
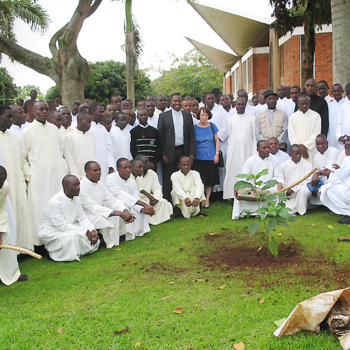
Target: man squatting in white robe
(254, 165)
(295, 169)
(103, 210)
(125, 188)
(65, 230)
(151, 190)
(9, 270)
(188, 189)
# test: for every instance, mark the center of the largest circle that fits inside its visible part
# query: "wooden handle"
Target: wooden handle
(298, 182)
(21, 250)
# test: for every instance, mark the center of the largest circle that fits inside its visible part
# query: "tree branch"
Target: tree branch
(53, 41)
(94, 7)
(40, 64)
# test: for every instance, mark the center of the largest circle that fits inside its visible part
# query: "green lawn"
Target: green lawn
(115, 289)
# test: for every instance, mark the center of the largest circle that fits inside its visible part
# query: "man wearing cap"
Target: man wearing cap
(272, 122)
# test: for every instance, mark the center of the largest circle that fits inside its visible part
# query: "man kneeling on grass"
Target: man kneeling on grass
(65, 230)
(188, 189)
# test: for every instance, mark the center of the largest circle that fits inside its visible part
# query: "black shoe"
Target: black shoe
(23, 278)
(345, 220)
(203, 214)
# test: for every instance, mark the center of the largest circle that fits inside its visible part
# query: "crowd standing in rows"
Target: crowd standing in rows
(67, 176)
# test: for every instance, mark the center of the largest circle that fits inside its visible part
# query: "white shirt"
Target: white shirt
(343, 126)
(282, 156)
(248, 109)
(327, 159)
(334, 107)
(122, 139)
(286, 105)
(17, 130)
(178, 121)
(260, 108)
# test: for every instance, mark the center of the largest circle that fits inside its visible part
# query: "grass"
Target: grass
(115, 289)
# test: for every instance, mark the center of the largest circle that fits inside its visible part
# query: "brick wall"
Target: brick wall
(323, 58)
(291, 61)
(260, 71)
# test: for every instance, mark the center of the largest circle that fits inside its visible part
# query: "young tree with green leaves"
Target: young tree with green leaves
(8, 90)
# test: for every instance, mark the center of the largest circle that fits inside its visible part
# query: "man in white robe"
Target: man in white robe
(343, 126)
(325, 159)
(104, 211)
(188, 189)
(66, 127)
(11, 158)
(303, 127)
(42, 163)
(285, 104)
(241, 145)
(261, 106)
(249, 108)
(9, 270)
(19, 120)
(275, 150)
(333, 110)
(152, 119)
(122, 137)
(103, 151)
(125, 188)
(161, 105)
(65, 230)
(151, 190)
(79, 146)
(335, 195)
(254, 165)
(295, 169)
(344, 153)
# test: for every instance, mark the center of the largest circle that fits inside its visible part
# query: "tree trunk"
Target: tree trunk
(67, 67)
(129, 52)
(341, 40)
(310, 45)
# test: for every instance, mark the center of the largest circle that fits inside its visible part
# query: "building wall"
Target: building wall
(228, 85)
(291, 61)
(324, 57)
(260, 71)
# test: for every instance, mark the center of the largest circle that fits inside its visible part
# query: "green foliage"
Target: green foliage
(273, 213)
(52, 92)
(189, 75)
(8, 90)
(26, 10)
(24, 92)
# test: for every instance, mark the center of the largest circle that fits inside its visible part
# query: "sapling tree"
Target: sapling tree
(272, 210)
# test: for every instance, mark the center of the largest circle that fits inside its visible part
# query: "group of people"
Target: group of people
(110, 170)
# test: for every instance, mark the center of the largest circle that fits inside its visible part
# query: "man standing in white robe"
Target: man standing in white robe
(325, 159)
(343, 127)
(303, 127)
(42, 163)
(295, 169)
(11, 157)
(79, 146)
(240, 145)
(151, 190)
(104, 211)
(19, 120)
(334, 109)
(125, 188)
(9, 270)
(188, 189)
(285, 104)
(65, 230)
(121, 136)
(249, 108)
(66, 127)
(104, 153)
(254, 165)
(261, 106)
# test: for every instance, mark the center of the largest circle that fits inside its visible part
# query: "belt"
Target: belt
(179, 146)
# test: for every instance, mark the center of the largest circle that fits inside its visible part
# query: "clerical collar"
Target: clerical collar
(94, 182)
(272, 110)
(144, 126)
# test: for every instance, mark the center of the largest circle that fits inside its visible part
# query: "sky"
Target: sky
(163, 25)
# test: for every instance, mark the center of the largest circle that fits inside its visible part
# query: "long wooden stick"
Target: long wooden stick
(298, 182)
(21, 250)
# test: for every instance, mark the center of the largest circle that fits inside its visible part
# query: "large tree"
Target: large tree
(189, 75)
(310, 14)
(341, 40)
(66, 67)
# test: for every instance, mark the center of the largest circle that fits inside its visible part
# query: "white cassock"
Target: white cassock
(282, 156)
(9, 270)
(219, 118)
(42, 163)
(128, 193)
(64, 132)
(122, 139)
(293, 172)
(303, 129)
(324, 161)
(255, 165)
(11, 158)
(78, 149)
(260, 108)
(343, 126)
(17, 130)
(335, 195)
(104, 154)
(63, 229)
(153, 121)
(187, 186)
(333, 112)
(286, 105)
(341, 157)
(150, 184)
(74, 121)
(98, 203)
(241, 145)
(328, 98)
(248, 109)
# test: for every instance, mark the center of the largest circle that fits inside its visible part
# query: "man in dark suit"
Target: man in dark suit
(178, 138)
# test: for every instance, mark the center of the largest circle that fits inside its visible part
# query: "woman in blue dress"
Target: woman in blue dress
(207, 152)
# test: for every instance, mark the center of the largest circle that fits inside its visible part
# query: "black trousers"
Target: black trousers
(170, 168)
